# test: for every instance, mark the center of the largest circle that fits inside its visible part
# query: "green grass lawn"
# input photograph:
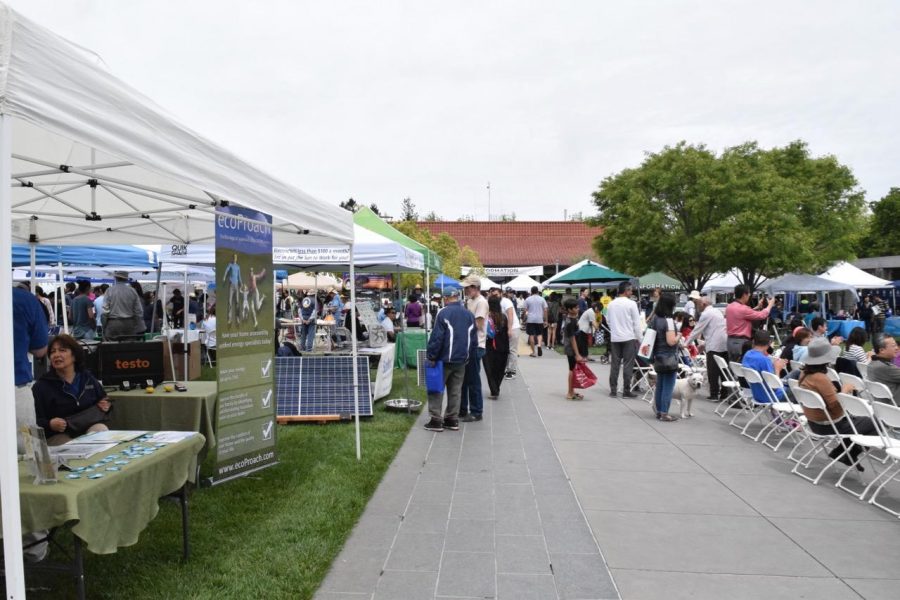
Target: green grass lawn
(272, 534)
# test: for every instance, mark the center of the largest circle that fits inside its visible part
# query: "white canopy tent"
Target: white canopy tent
(371, 252)
(725, 282)
(92, 159)
(844, 272)
(523, 283)
(487, 283)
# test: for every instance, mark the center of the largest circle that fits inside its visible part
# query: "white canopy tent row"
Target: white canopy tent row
(844, 272)
(523, 283)
(92, 160)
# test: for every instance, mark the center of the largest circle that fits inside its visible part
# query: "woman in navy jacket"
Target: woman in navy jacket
(68, 399)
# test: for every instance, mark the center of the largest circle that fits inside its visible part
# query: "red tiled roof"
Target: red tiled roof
(521, 243)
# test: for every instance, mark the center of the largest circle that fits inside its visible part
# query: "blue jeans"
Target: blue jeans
(665, 385)
(472, 400)
(308, 336)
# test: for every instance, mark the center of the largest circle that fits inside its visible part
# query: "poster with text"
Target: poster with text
(245, 318)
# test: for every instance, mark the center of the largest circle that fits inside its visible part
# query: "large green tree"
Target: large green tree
(691, 213)
(664, 215)
(883, 234)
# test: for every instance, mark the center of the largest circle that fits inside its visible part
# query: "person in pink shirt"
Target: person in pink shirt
(739, 318)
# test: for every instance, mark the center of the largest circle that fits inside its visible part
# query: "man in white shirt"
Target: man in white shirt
(471, 405)
(711, 325)
(512, 317)
(208, 327)
(625, 331)
(535, 319)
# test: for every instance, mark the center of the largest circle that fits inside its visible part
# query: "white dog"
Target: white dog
(685, 391)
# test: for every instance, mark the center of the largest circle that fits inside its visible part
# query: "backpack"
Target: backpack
(490, 330)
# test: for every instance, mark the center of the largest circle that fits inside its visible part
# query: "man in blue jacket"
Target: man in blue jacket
(452, 341)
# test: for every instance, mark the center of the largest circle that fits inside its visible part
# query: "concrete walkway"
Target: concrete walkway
(484, 512)
(686, 510)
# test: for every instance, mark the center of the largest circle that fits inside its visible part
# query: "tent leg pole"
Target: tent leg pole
(354, 352)
(155, 297)
(184, 327)
(62, 297)
(9, 469)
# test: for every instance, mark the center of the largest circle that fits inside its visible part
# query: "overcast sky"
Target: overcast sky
(432, 100)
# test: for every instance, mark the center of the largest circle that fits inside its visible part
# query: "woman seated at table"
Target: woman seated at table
(68, 399)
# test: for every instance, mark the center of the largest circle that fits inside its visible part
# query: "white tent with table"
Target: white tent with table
(92, 160)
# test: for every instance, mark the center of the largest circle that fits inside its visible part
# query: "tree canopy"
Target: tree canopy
(353, 206)
(408, 210)
(691, 213)
(883, 235)
(452, 255)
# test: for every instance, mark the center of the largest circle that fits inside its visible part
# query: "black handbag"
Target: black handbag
(665, 363)
(81, 421)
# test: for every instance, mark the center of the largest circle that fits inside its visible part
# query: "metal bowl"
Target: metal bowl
(402, 405)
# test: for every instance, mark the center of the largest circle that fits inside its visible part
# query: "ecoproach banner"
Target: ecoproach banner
(245, 321)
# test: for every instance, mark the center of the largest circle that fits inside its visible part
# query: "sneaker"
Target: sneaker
(471, 418)
(434, 425)
(613, 394)
(510, 376)
(628, 395)
(451, 424)
(540, 351)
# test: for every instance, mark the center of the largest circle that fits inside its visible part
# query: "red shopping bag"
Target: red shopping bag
(584, 377)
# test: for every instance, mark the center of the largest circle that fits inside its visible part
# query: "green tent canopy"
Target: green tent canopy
(591, 272)
(660, 280)
(365, 217)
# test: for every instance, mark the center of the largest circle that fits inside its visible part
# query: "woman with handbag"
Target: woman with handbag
(68, 399)
(665, 354)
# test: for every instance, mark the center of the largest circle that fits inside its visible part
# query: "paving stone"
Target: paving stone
(522, 554)
(518, 586)
(469, 535)
(432, 492)
(467, 574)
(472, 506)
(570, 535)
(582, 576)
(405, 585)
(416, 552)
(425, 518)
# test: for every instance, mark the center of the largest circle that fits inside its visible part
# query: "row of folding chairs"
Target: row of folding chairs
(779, 420)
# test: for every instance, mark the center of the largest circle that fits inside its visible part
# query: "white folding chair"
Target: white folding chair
(889, 415)
(812, 400)
(755, 406)
(643, 379)
(834, 376)
(728, 382)
(744, 402)
(878, 392)
(791, 414)
(858, 384)
(863, 369)
(855, 406)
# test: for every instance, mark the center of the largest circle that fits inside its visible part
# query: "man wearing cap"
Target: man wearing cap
(471, 404)
(123, 312)
(512, 317)
(739, 320)
(711, 325)
(882, 368)
(308, 311)
(453, 341)
(815, 378)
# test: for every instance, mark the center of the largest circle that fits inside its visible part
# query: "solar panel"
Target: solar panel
(420, 367)
(321, 385)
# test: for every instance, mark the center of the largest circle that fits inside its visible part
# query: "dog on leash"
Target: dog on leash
(685, 391)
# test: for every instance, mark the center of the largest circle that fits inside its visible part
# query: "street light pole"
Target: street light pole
(489, 199)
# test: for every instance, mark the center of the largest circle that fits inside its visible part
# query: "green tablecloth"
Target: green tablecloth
(193, 410)
(408, 342)
(110, 512)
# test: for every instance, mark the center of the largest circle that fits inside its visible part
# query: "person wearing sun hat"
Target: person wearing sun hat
(820, 353)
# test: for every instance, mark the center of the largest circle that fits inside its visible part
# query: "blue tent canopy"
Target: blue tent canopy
(443, 281)
(126, 256)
